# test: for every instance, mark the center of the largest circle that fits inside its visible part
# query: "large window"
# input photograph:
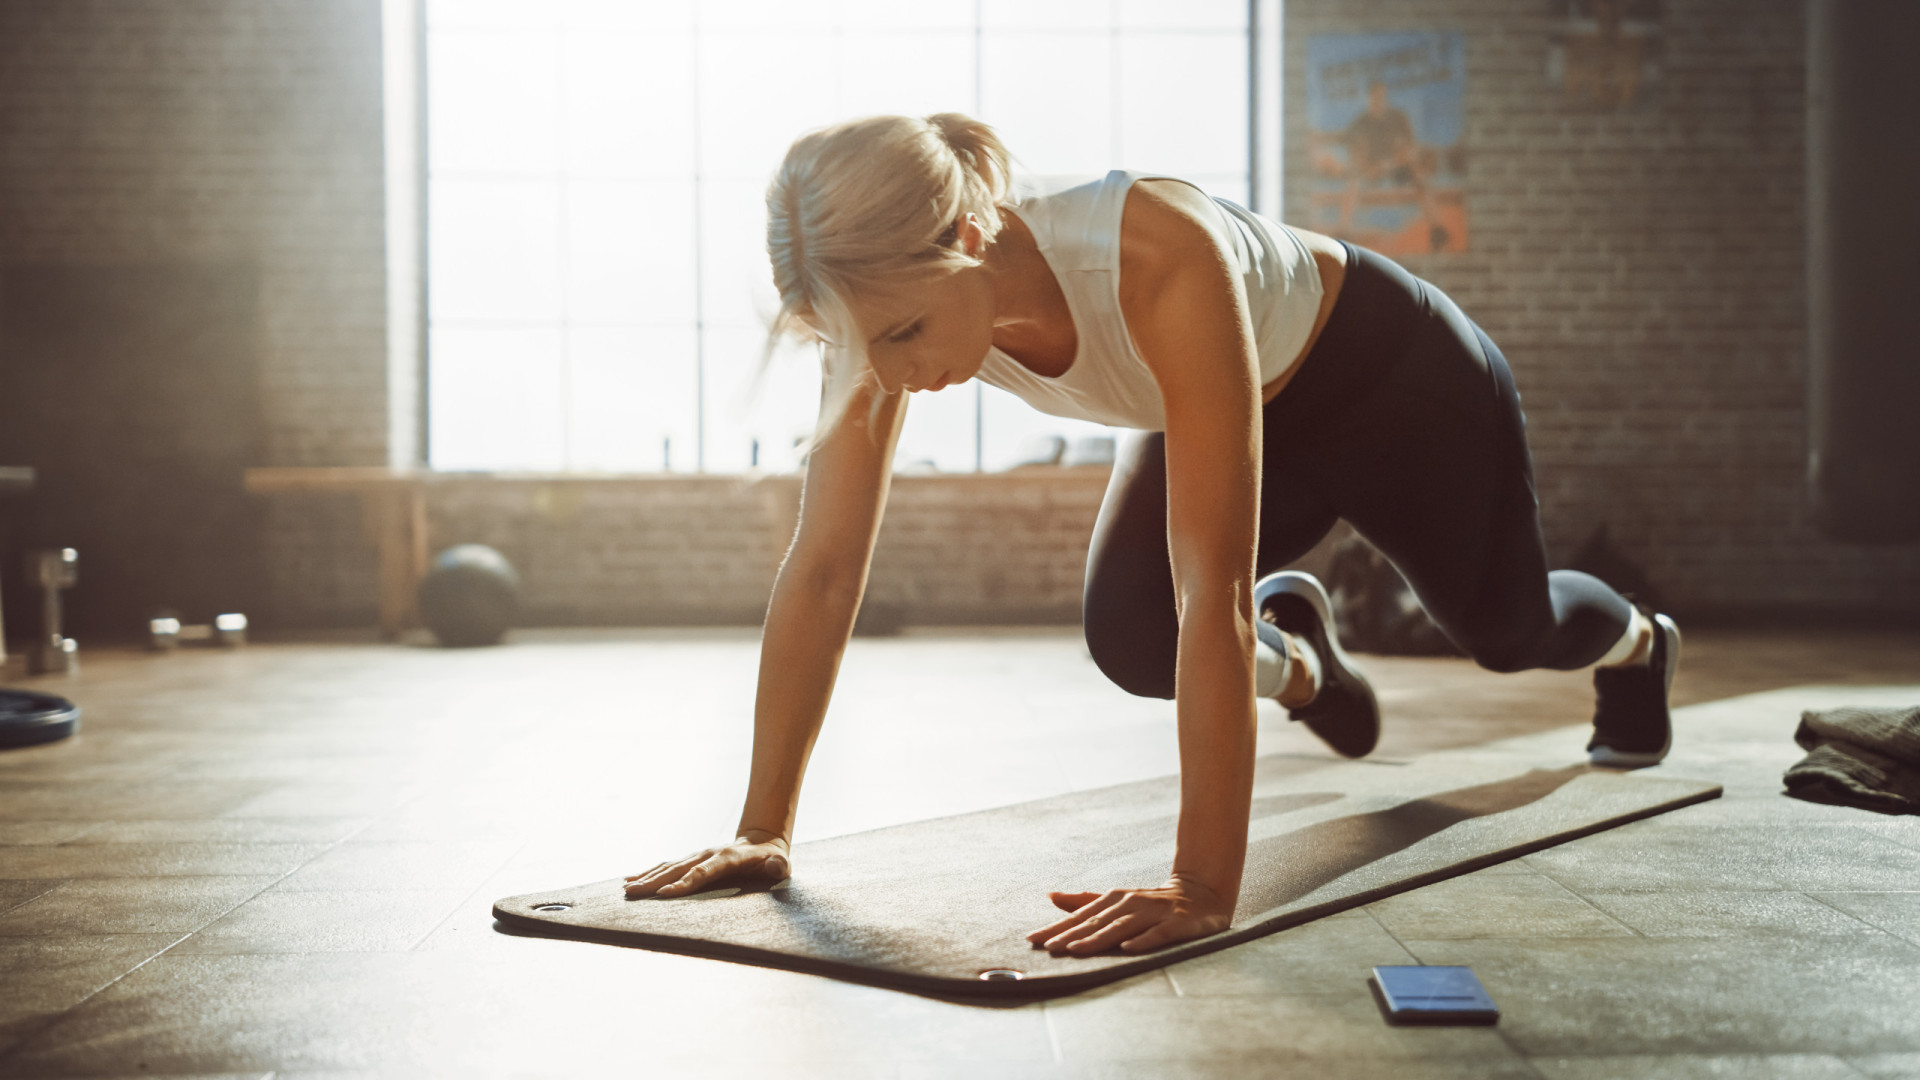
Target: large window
(597, 278)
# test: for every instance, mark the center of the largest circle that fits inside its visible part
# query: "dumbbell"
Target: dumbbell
(52, 570)
(166, 633)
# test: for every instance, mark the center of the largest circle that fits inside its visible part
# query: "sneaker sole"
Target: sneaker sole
(1325, 639)
(1607, 756)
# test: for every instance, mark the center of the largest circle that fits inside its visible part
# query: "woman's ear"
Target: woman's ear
(973, 239)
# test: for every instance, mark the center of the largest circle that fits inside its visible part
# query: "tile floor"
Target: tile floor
(280, 861)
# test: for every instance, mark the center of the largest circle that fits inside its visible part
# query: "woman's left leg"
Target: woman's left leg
(1432, 467)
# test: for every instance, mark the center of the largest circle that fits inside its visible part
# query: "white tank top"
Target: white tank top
(1078, 230)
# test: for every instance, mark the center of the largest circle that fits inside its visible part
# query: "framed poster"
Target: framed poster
(1605, 54)
(1386, 139)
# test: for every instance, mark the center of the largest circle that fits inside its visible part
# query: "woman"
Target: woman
(1279, 379)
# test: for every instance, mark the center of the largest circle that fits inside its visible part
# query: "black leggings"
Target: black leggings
(1404, 421)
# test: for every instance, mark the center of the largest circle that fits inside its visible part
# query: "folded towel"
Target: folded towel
(1868, 758)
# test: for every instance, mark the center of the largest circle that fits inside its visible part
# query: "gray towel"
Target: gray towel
(1868, 758)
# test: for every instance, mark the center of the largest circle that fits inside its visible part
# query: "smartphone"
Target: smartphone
(1433, 995)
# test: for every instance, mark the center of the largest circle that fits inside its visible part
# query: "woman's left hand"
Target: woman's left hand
(1136, 920)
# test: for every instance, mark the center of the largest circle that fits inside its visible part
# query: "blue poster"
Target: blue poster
(1386, 124)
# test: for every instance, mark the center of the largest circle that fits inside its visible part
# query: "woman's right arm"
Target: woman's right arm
(815, 597)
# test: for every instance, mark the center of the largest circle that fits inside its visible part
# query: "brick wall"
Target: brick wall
(1643, 271)
(217, 131)
(156, 133)
(703, 549)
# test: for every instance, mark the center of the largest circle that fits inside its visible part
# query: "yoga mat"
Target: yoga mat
(931, 906)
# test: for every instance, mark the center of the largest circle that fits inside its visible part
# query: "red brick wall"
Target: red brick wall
(1007, 548)
(1644, 273)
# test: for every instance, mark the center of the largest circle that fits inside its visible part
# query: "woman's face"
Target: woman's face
(927, 334)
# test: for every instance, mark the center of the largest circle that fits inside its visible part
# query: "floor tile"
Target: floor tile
(321, 800)
(1698, 1067)
(434, 865)
(15, 893)
(1684, 912)
(1255, 1029)
(171, 905)
(1635, 859)
(1509, 905)
(555, 1011)
(252, 1074)
(45, 977)
(1900, 830)
(1329, 956)
(40, 832)
(1897, 913)
(314, 830)
(1887, 1066)
(277, 921)
(1737, 995)
(155, 860)
(1318, 1068)
(206, 765)
(114, 801)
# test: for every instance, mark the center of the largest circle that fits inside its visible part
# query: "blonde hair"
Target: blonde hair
(872, 202)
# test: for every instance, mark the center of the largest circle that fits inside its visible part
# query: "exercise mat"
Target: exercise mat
(943, 907)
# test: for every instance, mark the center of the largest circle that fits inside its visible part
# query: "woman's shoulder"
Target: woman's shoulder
(1075, 219)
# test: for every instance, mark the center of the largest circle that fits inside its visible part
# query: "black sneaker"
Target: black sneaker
(1344, 713)
(1632, 727)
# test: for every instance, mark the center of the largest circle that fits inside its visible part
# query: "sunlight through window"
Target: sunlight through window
(597, 275)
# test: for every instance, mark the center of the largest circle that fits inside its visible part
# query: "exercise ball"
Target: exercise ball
(469, 596)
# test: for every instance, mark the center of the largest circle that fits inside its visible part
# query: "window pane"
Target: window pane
(1185, 15)
(629, 249)
(906, 74)
(629, 104)
(1046, 14)
(766, 15)
(1013, 430)
(1183, 102)
(514, 15)
(863, 15)
(1049, 94)
(736, 274)
(496, 397)
(581, 279)
(495, 249)
(495, 98)
(615, 16)
(631, 397)
(939, 431)
(757, 93)
(776, 413)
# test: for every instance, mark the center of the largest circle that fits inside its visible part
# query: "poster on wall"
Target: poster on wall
(1605, 54)
(1387, 139)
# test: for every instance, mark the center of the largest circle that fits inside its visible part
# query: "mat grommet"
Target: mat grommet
(553, 907)
(1002, 975)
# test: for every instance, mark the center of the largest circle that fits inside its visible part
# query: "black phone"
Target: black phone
(1433, 995)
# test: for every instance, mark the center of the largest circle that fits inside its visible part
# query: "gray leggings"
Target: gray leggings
(1404, 421)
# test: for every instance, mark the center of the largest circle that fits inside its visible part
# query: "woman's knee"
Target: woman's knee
(1504, 650)
(1127, 654)
(1503, 657)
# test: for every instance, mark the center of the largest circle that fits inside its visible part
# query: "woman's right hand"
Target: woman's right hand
(753, 858)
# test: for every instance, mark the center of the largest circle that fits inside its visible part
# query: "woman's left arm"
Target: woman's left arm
(1187, 311)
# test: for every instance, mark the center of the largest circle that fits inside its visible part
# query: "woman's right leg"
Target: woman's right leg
(1128, 611)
